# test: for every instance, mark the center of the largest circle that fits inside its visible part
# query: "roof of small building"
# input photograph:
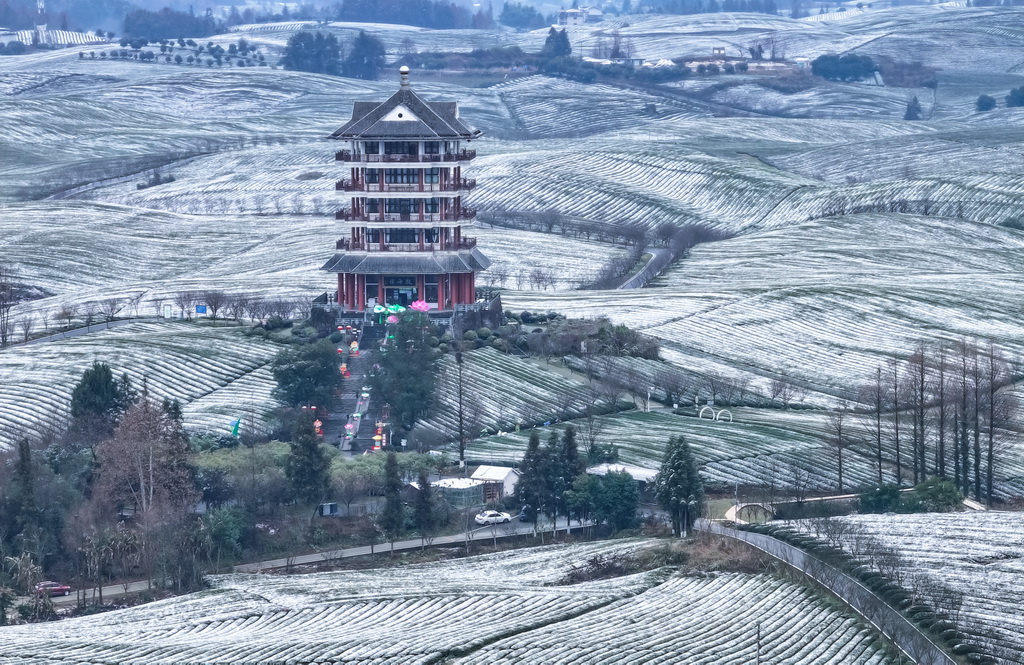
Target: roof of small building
(493, 473)
(407, 263)
(405, 115)
(456, 483)
(637, 472)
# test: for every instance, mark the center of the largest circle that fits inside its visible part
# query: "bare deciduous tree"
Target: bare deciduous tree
(185, 301)
(215, 301)
(67, 313)
(839, 435)
(110, 308)
(8, 296)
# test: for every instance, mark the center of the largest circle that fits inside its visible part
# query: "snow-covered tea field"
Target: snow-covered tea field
(825, 302)
(216, 373)
(502, 391)
(857, 234)
(501, 608)
(733, 453)
(978, 555)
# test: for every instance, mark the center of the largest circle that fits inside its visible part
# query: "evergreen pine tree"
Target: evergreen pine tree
(391, 519)
(985, 103)
(307, 466)
(1015, 98)
(913, 111)
(406, 370)
(425, 509)
(366, 58)
(24, 482)
(530, 488)
(678, 486)
(564, 49)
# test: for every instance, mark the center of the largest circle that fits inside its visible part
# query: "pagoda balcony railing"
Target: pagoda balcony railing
(458, 184)
(346, 215)
(355, 246)
(349, 156)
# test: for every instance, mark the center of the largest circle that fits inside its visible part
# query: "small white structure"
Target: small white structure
(638, 473)
(499, 481)
(459, 492)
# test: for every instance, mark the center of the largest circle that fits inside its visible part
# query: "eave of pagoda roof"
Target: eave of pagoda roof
(432, 120)
(408, 263)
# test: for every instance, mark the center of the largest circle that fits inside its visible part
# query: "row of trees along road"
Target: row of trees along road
(943, 412)
(553, 481)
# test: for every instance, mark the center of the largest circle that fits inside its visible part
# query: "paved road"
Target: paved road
(660, 258)
(486, 533)
(482, 534)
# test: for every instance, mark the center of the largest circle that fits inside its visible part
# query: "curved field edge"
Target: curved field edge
(468, 610)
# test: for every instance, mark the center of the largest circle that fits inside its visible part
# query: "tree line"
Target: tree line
(321, 53)
(168, 23)
(941, 413)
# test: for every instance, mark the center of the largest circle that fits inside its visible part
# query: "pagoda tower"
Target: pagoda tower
(402, 242)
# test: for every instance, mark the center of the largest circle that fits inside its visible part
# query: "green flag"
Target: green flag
(235, 426)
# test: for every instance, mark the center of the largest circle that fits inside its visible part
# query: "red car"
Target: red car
(52, 589)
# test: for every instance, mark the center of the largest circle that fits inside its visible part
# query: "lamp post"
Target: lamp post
(650, 389)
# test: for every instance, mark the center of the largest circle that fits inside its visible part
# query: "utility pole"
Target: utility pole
(462, 424)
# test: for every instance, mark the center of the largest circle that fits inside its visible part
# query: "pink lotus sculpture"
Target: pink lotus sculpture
(392, 319)
(419, 306)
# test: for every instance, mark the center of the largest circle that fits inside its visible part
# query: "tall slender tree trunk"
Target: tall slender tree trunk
(993, 370)
(977, 430)
(957, 479)
(896, 420)
(878, 422)
(940, 453)
(922, 384)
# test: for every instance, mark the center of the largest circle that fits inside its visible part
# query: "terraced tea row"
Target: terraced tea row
(502, 392)
(977, 555)
(728, 453)
(823, 303)
(507, 607)
(695, 620)
(175, 360)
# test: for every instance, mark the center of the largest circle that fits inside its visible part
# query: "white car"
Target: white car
(492, 517)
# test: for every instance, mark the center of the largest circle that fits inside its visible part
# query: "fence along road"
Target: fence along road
(910, 639)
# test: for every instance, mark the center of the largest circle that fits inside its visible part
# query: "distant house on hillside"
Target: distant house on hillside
(570, 17)
(499, 481)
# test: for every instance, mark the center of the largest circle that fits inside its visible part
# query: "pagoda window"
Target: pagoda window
(373, 176)
(373, 236)
(432, 176)
(431, 147)
(401, 206)
(430, 235)
(430, 288)
(371, 147)
(373, 206)
(402, 236)
(402, 176)
(432, 205)
(401, 148)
